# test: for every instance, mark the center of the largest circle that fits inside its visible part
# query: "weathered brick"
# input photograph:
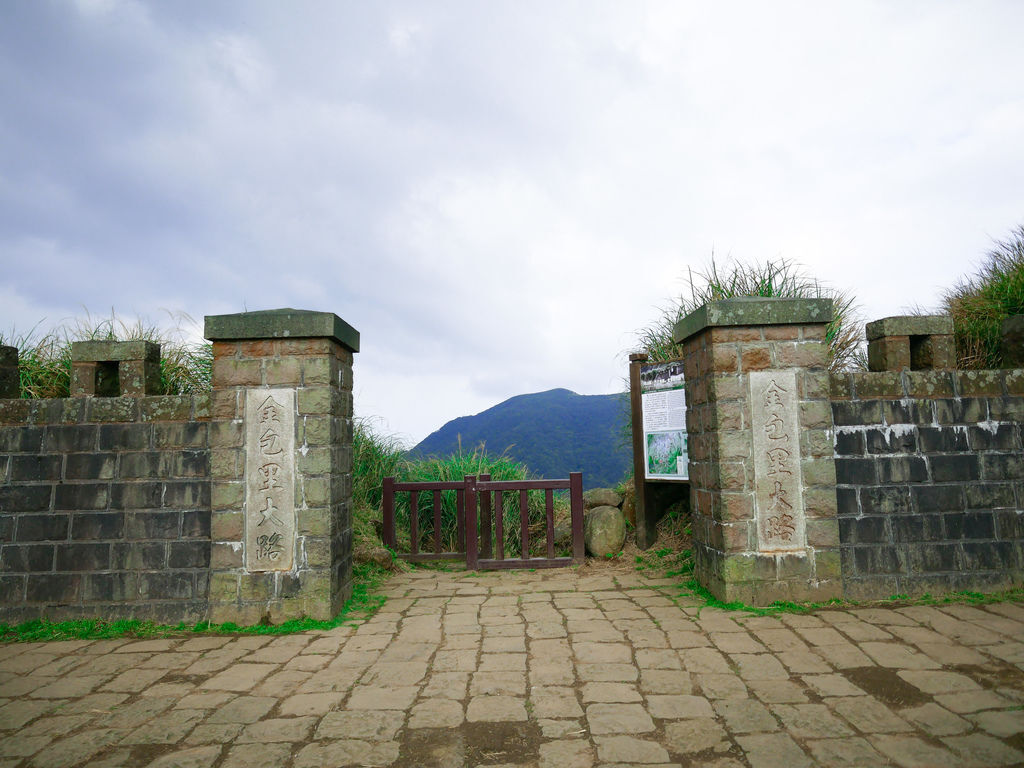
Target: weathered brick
(803, 354)
(902, 469)
(109, 409)
(989, 495)
(110, 587)
(856, 412)
(929, 383)
(188, 554)
(62, 439)
(84, 496)
(754, 357)
(938, 498)
(82, 556)
(996, 467)
(187, 494)
(285, 371)
(961, 468)
(891, 440)
(167, 585)
(231, 372)
(880, 559)
(192, 434)
(889, 500)
(1000, 437)
(165, 408)
(816, 414)
(90, 466)
(152, 525)
(53, 588)
(49, 527)
(25, 498)
(849, 443)
(823, 532)
(929, 558)
(976, 383)
(870, 385)
(36, 468)
(97, 525)
(942, 439)
(230, 526)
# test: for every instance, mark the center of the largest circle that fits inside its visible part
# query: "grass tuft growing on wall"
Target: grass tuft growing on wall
(774, 278)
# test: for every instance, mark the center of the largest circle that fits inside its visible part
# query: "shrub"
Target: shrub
(782, 278)
(979, 304)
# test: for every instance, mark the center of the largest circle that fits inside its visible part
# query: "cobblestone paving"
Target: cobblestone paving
(546, 670)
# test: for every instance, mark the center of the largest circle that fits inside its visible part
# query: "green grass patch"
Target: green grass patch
(363, 604)
(693, 588)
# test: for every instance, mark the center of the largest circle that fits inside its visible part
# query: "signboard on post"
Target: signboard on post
(660, 450)
(663, 402)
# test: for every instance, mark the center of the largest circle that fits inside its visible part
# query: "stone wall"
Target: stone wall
(930, 480)
(104, 508)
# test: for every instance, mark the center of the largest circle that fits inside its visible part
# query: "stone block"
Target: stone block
(889, 353)
(804, 354)
(166, 408)
(910, 325)
(823, 532)
(288, 324)
(231, 372)
(932, 352)
(111, 409)
(878, 384)
(753, 311)
(929, 384)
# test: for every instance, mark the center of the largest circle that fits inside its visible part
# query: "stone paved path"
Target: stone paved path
(547, 670)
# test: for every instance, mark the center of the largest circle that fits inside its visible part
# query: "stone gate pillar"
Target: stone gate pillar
(280, 465)
(762, 475)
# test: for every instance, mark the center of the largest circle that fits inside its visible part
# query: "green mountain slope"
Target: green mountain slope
(553, 433)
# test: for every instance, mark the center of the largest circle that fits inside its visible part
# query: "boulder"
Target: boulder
(601, 497)
(604, 530)
(380, 556)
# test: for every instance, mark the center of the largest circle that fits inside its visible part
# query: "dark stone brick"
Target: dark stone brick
(166, 586)
(97, 526)
(1006, 408)
(152, 525)
(1003, 438)
(36, 468)
(193, 434)
(126, 437)
(879, 560)
(21, 439)
(58, 588)
(856, 412)
(847, 564)
(26, 558)
(978, 525)
(144, 495)
(901, 469)
(12, 589)
(886, 440)
(140, 465)
(849, 443)
(187, 494)
(83, 557)
(138, 556)
(871, 530)
(962, 410)
(110, 587)
(1009, 524)
(908, 529)
(195, 524)
(81, 496)
(942, 439)
(202, 581)
(49, 527)
(856, 472)
(988, 556)
(71, 438)
(6, 527)
(190, 464)
(886, 500)
(188, 554)
(846, 501)
(900, 412)
(90, 466)
(25, 498)
(929, 558)
(938, 498)
(847, 530)
(1002, 466)
(952, 469)
(989, 495)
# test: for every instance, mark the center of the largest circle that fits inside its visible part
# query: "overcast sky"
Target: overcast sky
(497, 195)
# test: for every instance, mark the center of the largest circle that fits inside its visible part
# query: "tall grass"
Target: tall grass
(44, 356)
(979, 304)
(781, 278)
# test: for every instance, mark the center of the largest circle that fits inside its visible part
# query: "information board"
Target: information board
(663, 401)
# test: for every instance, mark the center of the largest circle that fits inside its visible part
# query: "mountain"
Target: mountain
(553, 433)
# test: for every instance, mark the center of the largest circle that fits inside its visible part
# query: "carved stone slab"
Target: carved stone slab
(778, 483)
(269, 479)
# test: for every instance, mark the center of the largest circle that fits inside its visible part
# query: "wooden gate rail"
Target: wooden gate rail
(388, 508)
(478, 502)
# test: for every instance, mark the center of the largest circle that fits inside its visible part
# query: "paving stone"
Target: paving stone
(194, 757)
(443, 713)
(498, 684)
(70, 687)
(772, 750)
(912, 752)
(832, 685)
(618, 718)
(674, 707)
(656, 658)
(380, 697)
(687, 639)
(244, 709)
(291, 729)
(20, 711)
(629, 749)
(848, 752)
(310, 704)
(939, 681)
(137, 712)
(446, 685)
(239, 677)
(969, 702)
(1000, 723)
(170, 728)
(496, 709)
(258, 756)
(896, 656)
(554, 702)
(728, 686)
(745, 716)
(696, 735)
(982, 750)
(935, 720)
(566, 754)
(76, 748)
(602, 653)
(868, 715)
(610, 692)
(607, 673)
(552, 673)
(665, 681)
(810, 721)
(396, 673)
(219, 733)
(365, 725)
(558, 729)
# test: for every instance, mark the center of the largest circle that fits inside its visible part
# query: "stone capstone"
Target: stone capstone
(604, 531)
(601, 497)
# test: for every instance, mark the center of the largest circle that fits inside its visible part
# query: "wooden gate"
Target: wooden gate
(480, 521)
